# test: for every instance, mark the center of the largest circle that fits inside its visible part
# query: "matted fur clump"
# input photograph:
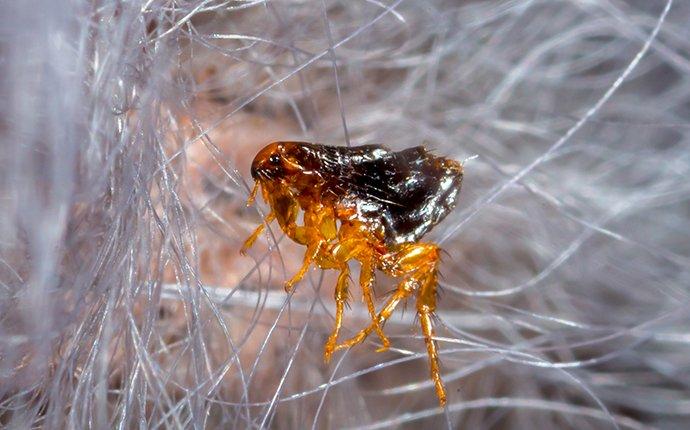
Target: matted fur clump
(127, 131)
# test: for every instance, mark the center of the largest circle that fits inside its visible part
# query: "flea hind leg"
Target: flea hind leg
(410, 262)
(341, 294)
(418, 265)
(404, 290)
(357, 248)
(426, 305)
(338, 257)
(366, 282)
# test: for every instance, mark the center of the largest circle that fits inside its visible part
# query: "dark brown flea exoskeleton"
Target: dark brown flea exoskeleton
(369, 204)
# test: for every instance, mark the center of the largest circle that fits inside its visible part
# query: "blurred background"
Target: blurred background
(126, 134)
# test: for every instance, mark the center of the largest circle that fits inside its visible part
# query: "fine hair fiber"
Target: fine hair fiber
(126, 134)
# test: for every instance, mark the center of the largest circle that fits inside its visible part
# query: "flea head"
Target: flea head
(284, 161)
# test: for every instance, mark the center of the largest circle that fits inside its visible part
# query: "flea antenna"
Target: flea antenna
(252, 195)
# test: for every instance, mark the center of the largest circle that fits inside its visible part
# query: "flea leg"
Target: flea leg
(312, 251)
(410, 261)
(341, 293)
(351, 246)
(310, 235)
(402, 292)
(286, 208)
(366, 282)
(252, 194)
(425, 313)
(251, 239)
(418, 264)
(426, 305)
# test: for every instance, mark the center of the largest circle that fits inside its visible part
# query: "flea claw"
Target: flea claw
(383, 348)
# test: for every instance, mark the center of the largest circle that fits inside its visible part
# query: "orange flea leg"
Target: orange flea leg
(251, 239)
(252, 194)
(428, 331)
(402, 292)
(426, 305)
(309, 235)
(366, 281)
(418, 263)
(341, 294)
(312, 250)
(351, 246)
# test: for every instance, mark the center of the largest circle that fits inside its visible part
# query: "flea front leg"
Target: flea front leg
(319, 227)
(284, 209)
(312, 250)
(267, 220)
(251, 239)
